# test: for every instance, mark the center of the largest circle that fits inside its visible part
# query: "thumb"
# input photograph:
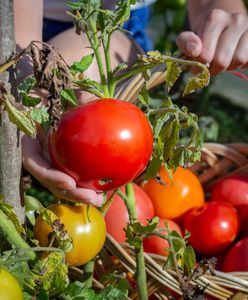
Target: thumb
(189, 43)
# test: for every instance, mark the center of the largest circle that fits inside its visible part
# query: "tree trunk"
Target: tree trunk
(10, 143)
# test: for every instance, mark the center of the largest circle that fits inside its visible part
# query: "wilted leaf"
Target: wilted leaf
(173, 72)
(197, 82)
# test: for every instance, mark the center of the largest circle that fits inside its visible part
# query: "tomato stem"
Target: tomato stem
(111, 83)
(129, 200)
(12, 235)
(96, 47)
(88, 273)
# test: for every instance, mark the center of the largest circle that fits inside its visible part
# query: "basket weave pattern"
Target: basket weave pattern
(217, 162)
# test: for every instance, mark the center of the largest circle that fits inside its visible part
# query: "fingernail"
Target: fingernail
(99, 200)
(191, 48)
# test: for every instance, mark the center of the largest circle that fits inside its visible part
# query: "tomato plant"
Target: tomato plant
(103, 144)
(213, 227)
(234, 190)
(117, 216)
(180, 194)
(9, 286)
(157, 245)
(236, 259)
(86, 226)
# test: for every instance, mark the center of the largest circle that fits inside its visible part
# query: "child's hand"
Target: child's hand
(220, 38)
(36, 162)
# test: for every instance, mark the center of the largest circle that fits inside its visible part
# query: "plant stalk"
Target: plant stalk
(139, 251)
(96, 46)
(88, 273)
(12, 235)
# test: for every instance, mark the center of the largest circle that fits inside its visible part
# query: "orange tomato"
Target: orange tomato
(180, 194)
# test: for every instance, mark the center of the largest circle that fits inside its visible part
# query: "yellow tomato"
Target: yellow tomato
(9, 287)
(86, 226)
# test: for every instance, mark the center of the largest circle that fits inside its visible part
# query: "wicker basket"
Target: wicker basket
(217, 162)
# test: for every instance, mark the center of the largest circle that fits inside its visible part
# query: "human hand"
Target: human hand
(220, 39)
(36, 161)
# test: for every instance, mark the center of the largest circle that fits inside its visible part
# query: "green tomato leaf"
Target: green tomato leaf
(82, 65)
(171, 138)
(112, 293)
(122, 12)
(120, 67)
(173, 72)
(26, 85)
(42, 295)
(197, 82)
(188, 261)
(7, 209)
(30, 101)
(69, 95)
(54, 272)
(156, 161)
(63, 240)
(32, 205)
(21, 119)
(40, 115)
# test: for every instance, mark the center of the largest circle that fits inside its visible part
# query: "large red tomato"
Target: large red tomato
(117, 216)
(213, 227)
(157, 245)
(236, 259)
(103, 144)
(180, 194)
(85, 225)
(234, 190)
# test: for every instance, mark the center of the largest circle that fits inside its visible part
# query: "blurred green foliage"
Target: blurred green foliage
(223, 119)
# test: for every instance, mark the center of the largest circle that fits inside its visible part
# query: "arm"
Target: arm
(220, 33)
(28, 16)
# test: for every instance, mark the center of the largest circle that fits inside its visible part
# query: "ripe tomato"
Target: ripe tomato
(178, 196)
(158, 245)
(86, 226)
(234, 190)
(213, 227)
(236, 259)
(9, 287)
(103, 144)
(117, 217)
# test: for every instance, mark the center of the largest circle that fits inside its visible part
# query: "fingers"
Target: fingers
(78, 195)
(210, 34)
(221, 41)
(189, 43)
(229, 52)
(59, 183)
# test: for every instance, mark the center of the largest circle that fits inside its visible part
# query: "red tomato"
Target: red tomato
(234, 190)
(180, 194)
(236, 259)
(158, 245)
(85, 225)
(103, 144)
(213, 227)
(117, 216)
